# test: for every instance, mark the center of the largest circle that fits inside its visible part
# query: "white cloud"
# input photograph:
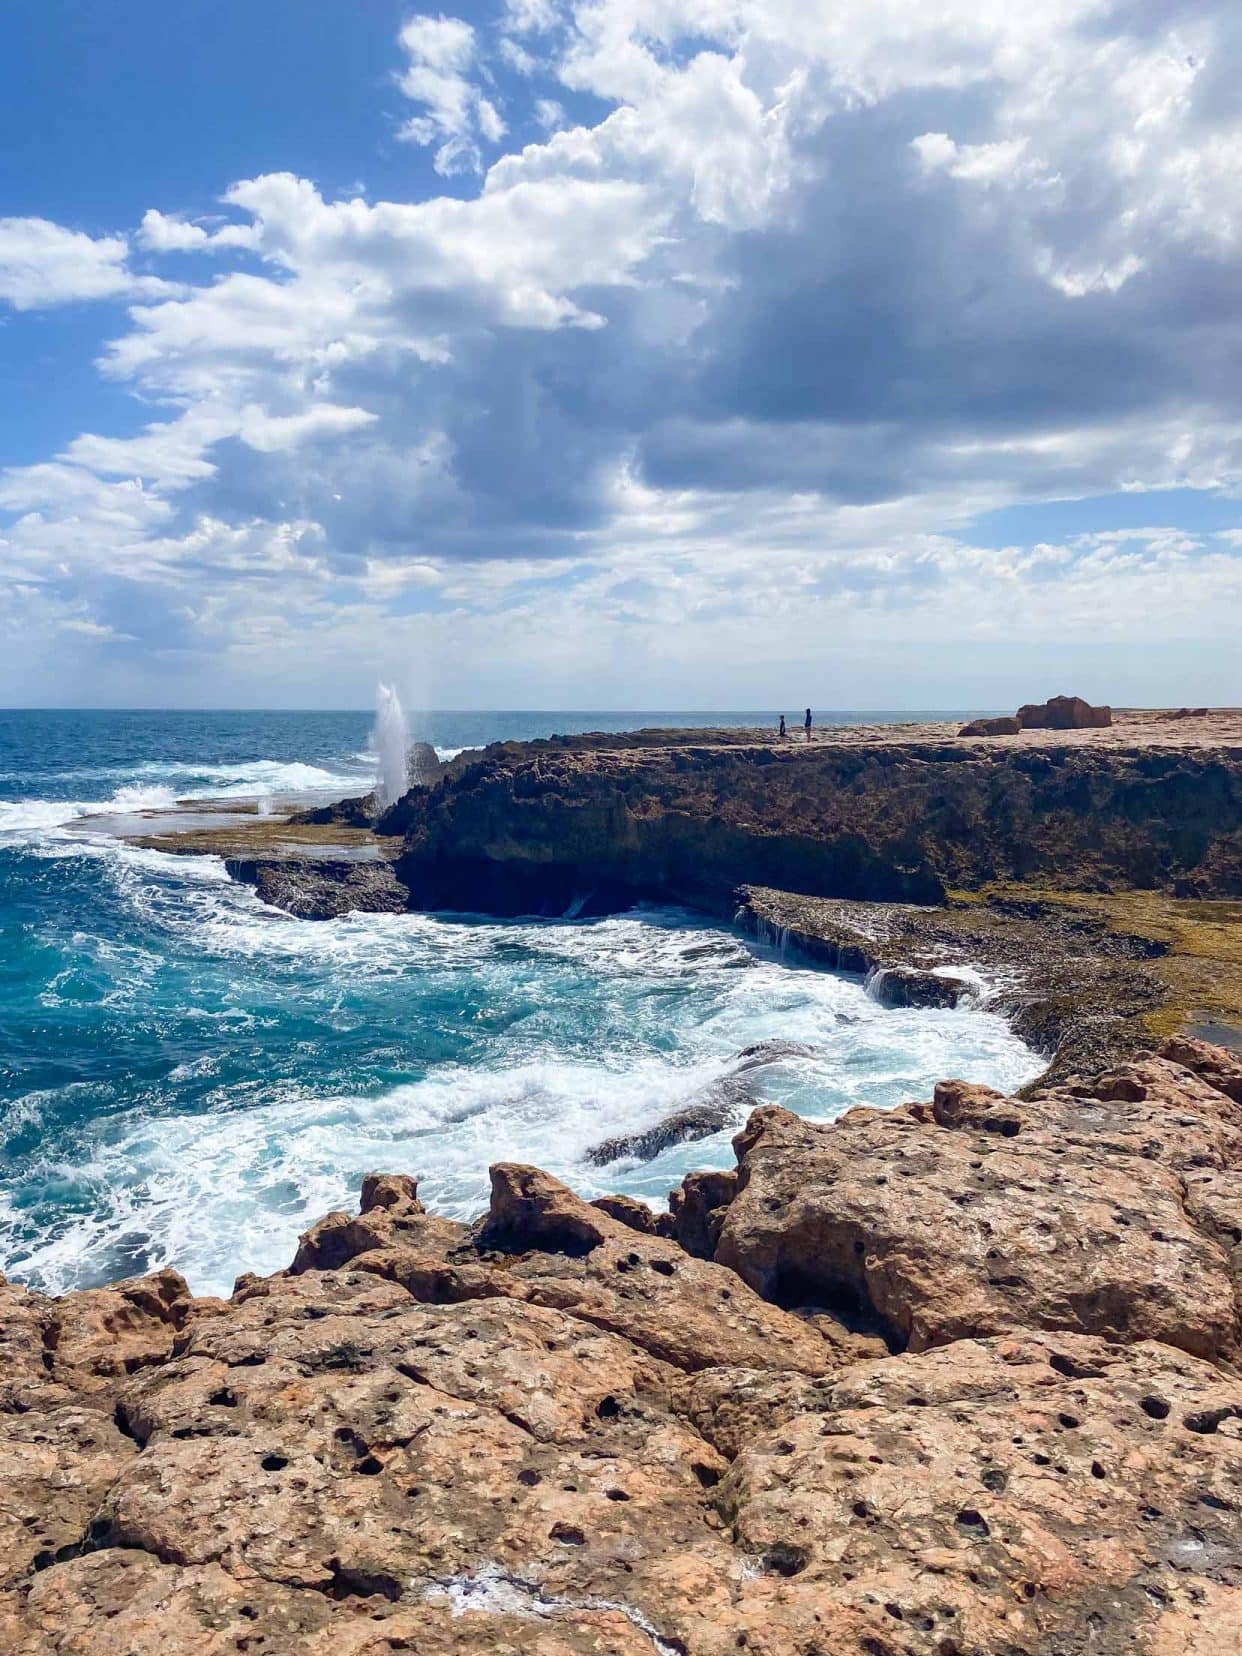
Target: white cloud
(166, 233)
(44, 264)
(724, 372)
(443, 53)
(549, 114)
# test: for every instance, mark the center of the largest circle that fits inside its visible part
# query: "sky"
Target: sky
(620, 353)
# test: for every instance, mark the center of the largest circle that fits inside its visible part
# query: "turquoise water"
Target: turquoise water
(189, 1077)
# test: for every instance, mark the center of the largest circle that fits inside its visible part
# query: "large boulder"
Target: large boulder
(1064, 713)
(982, 1214)
(323, 888)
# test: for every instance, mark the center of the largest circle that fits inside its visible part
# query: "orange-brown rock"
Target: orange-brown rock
(1068, 1210)
(1064, 713)
(556, 1432)
(1007, 725)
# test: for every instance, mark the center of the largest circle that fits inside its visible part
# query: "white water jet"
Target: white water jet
(391, 740)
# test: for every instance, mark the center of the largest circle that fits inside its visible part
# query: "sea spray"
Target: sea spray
(391, 739)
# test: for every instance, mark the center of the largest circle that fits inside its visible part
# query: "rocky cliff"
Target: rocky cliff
(958, 1378)
(534, 828)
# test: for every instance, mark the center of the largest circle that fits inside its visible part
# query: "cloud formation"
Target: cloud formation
(726, 371)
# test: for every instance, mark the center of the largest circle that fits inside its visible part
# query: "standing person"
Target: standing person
(781, 732)
(806, 724)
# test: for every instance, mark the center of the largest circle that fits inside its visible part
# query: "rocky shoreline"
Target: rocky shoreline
(955, 1379)
(1089, 881)
(962, 1378)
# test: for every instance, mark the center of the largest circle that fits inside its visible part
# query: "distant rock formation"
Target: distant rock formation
(1064, 713)
(537, 830)
(423, 764)
(1005, 726)
(1058, 713)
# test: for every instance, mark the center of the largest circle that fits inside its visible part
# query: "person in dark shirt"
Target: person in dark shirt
(781, 731)
(806, 724)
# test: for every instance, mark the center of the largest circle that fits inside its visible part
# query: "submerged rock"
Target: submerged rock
(709, 1112)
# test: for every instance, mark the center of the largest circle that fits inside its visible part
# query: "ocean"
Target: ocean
(189, 1078)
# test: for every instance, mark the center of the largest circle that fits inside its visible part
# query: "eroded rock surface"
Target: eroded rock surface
(980, 1214)
(323, 888)
(560, 1431)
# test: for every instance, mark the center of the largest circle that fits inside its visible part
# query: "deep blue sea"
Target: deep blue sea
(188, 1077)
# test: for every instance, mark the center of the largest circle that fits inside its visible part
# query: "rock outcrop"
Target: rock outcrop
(1064, 713)
(1006, 725)
(1058, 713)
(977, 1215)
(709, 1112)
(323, 888)
(558, 1432)
(550, 829)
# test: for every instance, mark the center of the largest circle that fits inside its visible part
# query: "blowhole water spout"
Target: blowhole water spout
(391, 740)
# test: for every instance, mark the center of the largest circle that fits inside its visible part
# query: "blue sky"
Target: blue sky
(620, 352)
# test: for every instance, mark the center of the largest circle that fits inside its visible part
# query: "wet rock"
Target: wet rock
(764, 1053)
(325, 888)
(713, 1110)
(423, 765)
(909, 986)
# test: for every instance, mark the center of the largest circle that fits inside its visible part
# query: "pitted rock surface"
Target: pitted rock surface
(1074, 1209)
(558, 1432)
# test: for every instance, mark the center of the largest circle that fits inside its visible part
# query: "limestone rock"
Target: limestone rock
(562, 1252)
(723, 1102)
(534, 829)
(1040, 1493)
(558, 1433)
(1005, 726)
(1219, 1068)
(1065, 1211)
(1064, 713)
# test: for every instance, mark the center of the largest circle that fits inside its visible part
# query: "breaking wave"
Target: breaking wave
(191, 1078)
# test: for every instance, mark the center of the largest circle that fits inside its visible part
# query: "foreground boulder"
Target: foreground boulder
(558, 1432)
(322, 888)
(980, 1214)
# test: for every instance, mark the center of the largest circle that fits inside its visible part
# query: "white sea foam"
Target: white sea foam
(27, 815)
(560, 1035)
(229, 1187)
